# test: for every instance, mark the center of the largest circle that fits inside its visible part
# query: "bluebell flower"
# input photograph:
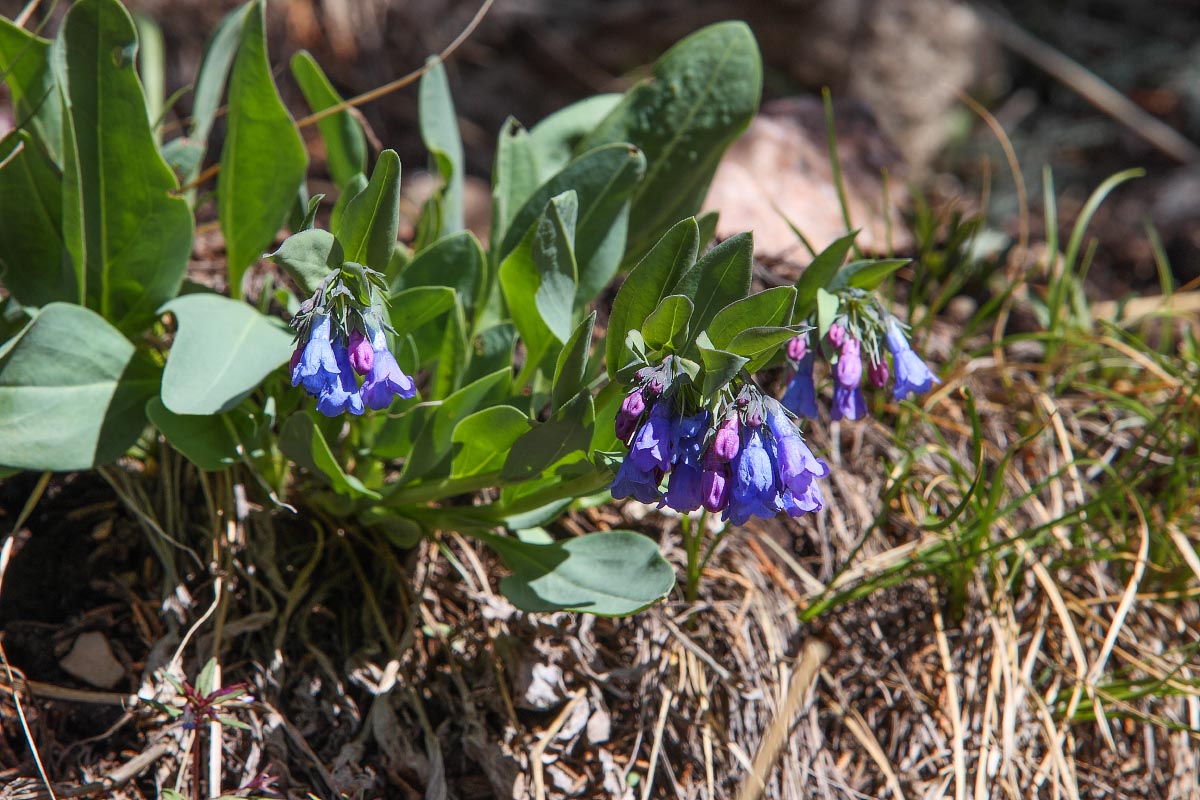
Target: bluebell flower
(687, 438)
(386, 380)
(317, 366)
(684, 488)
(651, 446)
(808, 501)
(913, 375)
(754, 492)
(800, 397)
(848, 400)
(340, 393)
(639, 484)
(797, 466)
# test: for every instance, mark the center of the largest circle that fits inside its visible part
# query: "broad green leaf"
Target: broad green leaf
(73, 392)
(25, 65)
(367, 228)
(610, 574)
(202, 439)
(434, 441)
(439, 132)
(515, 178)
(482, 439)
(555, 138)
(456, 261)
(651, 280)
(827, 308)
(214, 71)
(554, 258)
(354, 187)
(720, 366)
(819, 274)
(129, 238)
(759, 344)
(603, 180)
(151, 69)
(263, 161)
(409, 309)
(452, 358)
(345, 142)
(770, 308)
(222, 351)
(708, 227)
(721, 277)
(491, 349)
(701, 95)
(519, 281)
(547, 444)
(308, 257)
(866, 274)
(302, 441)
(667, 327)
(399, 430)
(570, 371)
(34, 264)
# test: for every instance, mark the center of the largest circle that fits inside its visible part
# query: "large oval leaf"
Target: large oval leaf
(610, 574)
(34, 264)
(72, 392)
(263, 160)
(222, 351)
(128, 236)
(367, 228)
(25, 67)
(203, 439)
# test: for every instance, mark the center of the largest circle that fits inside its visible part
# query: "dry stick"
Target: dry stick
(1094, 90)
(958, 743)
(374, 94)
(804, 678)
(539, 749)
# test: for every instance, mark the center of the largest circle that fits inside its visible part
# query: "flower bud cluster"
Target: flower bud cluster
(748, 459)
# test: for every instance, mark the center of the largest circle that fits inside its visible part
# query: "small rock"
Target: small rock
(91, 660)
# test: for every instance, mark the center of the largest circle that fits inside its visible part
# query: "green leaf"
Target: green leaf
(603, 179)
(354, 187)
(866, 274)
(73, 392)
(367, 228)
(345, 142)
(554, 258)
(819, 274)
(222, 351)
(720, 366)
(651, 280)
(610, 574)
(701, 95)
(128, 236)
(202, 439)
(434, 441)
(721, 277)
(483, 440)
(308, 257)
(409, 309)
(213, 72)
(151, 69)
(34, 264)
(555, 138)
(547, 444)
(519, 283)
(25, 64)
(667, 327)
(456, 261)
(302, 441)
(515, 177)
(708, 227)
(263, 161)
(453, 355)
(491, 349)
(570, 371)
(439, 132)
(770, 308)
(827, 309)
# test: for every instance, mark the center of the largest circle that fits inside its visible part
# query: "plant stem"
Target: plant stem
(691, 543)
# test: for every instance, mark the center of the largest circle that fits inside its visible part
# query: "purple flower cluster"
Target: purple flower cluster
(752, 463)
(912, 374)
(326, 365)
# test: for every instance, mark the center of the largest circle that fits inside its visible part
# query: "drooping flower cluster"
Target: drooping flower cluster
(746, 460)
(340, 340)
(846, 344)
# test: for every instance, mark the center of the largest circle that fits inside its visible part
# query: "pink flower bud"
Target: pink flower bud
(878, 373)
(727, 442)
(362, 357)
(797, 347)
(837, 335)
(849, 367)
(295, 362)
(634, 404)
